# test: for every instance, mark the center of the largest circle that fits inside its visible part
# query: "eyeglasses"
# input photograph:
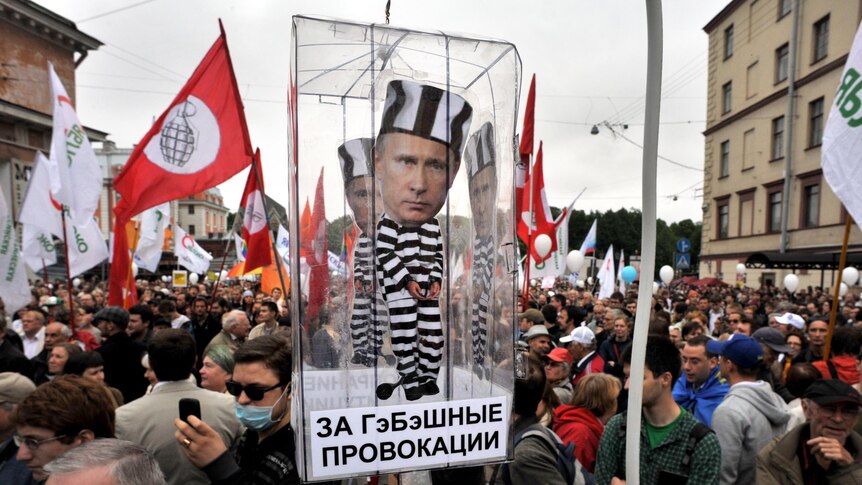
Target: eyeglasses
(32, 443)
(253, 393)
(832, 410)
(555, 364)
(735, 320)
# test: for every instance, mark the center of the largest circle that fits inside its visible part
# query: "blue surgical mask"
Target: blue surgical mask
(258, 418)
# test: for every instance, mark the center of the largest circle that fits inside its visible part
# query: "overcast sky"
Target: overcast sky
(589, 58)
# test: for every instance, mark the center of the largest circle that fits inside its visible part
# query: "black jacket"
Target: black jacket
(123, 368)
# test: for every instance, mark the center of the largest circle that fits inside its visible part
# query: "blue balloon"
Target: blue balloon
(629, 274)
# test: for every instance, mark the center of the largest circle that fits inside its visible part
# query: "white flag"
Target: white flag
(189, 254)
(154, 222)
(241, 247)
(14, 287)
(620, 273)
(336, 264)
(555, 264)
(842, 138)
(87, 247)
(38, 208)
(38, 248)
(282, 244)
(79, 173)
(607, 274)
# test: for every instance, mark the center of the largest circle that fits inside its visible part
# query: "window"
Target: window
(724, 168)
(821, 39)
(748, 152)
(746, 212)
(752, 78)
(726, 93)
(811, 205)
(191, 229)
(783, 8)
(815, 122)
(191, 210)
(723, 207)
(778, 138)
(728, 41)
(781, 58)
(774, 203)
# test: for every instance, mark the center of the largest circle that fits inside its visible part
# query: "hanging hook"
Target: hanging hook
(388, 3)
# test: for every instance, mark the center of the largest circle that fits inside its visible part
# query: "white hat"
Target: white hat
(427, 112)
(791, 319)
(580, 335)
(355, 157)
(536, 331)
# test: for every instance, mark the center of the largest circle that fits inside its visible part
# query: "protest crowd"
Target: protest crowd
(736, 389)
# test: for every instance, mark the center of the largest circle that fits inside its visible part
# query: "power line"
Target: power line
(111, 12)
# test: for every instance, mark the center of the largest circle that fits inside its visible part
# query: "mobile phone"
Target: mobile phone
(189, 407)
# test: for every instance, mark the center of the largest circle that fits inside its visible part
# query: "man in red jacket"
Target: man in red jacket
(581, 343)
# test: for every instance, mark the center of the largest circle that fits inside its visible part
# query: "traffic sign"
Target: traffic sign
(683, 261)
(683, 245)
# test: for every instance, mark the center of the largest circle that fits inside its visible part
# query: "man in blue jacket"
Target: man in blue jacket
(701, 388)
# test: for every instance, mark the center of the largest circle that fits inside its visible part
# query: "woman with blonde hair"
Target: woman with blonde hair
(593, 404)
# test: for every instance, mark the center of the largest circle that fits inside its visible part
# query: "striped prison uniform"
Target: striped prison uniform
(483, 268)
(366, 322)
(407, 254)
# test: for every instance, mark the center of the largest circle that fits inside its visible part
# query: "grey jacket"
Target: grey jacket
(778, 463)
(748, 418)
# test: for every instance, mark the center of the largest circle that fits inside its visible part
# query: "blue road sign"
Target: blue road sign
(683, 245)
(683, 261)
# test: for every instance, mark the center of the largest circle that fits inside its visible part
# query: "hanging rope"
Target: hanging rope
(388, 3)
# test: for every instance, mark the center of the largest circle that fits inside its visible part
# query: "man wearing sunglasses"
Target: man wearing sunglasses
(261, 388)
(148, 420)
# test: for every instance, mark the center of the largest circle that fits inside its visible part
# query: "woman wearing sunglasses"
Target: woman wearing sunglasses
(261, 389)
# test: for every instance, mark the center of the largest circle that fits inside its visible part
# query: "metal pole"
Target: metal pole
(648, 231)
(788, 123)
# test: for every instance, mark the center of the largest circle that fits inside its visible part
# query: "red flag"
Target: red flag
(305, 236)
(199, 142)
(318, 259)
(542, 220)
(522, 169)
(255, 229)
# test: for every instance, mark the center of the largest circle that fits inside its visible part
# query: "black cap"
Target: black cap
(114, 314)
(832, 391)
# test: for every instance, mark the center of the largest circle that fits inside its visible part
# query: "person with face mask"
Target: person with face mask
(148, 421)
(261, 387)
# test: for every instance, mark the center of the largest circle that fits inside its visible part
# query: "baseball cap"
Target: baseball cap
(114, 314)
(14, 387)
(536, 331)
(581, 335)
(791, 319)
(740, 349)
(772, 338)
(561, 355)
(832, 391)
(532, 315)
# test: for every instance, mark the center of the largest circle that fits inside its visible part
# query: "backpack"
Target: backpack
(697, 432)
(569, 467)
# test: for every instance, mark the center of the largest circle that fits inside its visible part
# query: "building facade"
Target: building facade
(203, 215)
(770, 88)
(30, 37)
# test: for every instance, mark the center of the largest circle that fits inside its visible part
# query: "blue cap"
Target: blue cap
(740, 349)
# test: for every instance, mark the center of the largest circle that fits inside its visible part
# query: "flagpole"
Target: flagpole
(72, 325)
(45, 269)
(833, 312)
(275, 254)
(529, 236)
(221, 268)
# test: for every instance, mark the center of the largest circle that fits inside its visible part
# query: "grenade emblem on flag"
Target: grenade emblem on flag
(179, 135)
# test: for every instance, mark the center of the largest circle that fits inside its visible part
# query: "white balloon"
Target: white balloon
(740, 268)
(850, 275)
(76, 282)
(580, 284)
(575, 261)
(134, 269)
(654, 287)
(533, 282)
(543, 245)
(791, 282)
(842, 290)
(666, 274)
(193, 278)
(590, 281)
